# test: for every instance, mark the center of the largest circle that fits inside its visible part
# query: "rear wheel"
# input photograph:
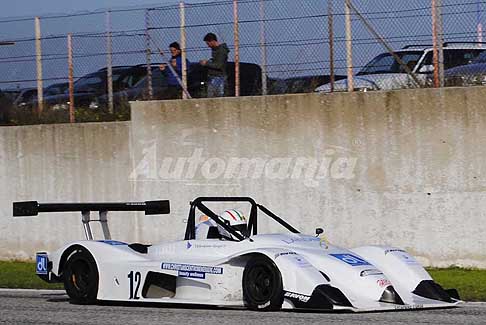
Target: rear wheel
(262, 285)
(81, 277)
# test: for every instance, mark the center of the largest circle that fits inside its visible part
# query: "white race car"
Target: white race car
(223, 261)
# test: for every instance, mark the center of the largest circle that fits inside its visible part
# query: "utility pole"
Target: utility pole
(71, 78)
(479, 22)
(237, 48)
(38, 51)
(183, 48)
(148, 55)
(440, 31)
(109, 62)
(263, 48)
(437, 39)
(349, 44)
(330, 21)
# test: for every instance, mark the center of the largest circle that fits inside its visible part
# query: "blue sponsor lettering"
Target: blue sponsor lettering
(192, 268)
(350, 259)
(193, 275)
(41, 261)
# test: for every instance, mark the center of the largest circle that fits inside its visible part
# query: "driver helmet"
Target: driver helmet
(236, 220)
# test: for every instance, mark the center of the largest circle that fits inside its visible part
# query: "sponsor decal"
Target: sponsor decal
(370, 272)
(190, 245)
(383, 283)
(350, 259)
(394, 250)
(192, 269)
(298, 296)
(285, 254)
(193, 275)
(408, 259)
(297, 240)
(403, 255)
(41, 261)
(408, 307)
(301, 262)
(112, 242)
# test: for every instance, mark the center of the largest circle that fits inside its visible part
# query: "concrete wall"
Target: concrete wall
(58, 163)
(401, 168)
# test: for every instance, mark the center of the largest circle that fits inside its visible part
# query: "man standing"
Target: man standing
(216, 66)
(174, 89)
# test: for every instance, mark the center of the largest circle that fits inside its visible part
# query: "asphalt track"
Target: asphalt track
(53, 307)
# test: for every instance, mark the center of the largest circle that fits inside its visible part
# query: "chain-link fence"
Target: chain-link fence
(87, 66)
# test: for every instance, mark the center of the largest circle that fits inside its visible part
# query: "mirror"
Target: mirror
(319, 231)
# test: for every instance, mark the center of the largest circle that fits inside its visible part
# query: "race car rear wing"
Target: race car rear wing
(33, 208)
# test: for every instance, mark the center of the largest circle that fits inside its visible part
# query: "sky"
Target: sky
(37, 7)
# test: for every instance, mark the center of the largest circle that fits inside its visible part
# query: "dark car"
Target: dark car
(56, 89)
(296, 85)
(5, 107)
(250, 84)
(88, 88)
(12, 93)
(250, 79)
(472, 74)
(26, 98)
(11, 106)
(138, 91)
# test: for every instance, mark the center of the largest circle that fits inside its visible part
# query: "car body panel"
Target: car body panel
(302, 260)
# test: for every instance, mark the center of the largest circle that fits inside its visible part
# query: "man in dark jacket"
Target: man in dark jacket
(216, 66)
(174, 88)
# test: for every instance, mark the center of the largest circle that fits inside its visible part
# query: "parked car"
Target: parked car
(385, 73)
(11, 93)
(26, 98)
(473, 74)
(56, 89)
(303, 84)
(5, 107)
(93, 85)
(250, 79)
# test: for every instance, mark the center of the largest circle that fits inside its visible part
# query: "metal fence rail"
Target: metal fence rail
(295, 46)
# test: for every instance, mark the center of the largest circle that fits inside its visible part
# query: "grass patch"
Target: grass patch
(21, 275)
(471, 284)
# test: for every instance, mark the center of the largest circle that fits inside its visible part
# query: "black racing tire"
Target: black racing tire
(262, 285)
(80, 277)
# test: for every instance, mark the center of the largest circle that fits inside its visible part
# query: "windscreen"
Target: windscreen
(386, 63)
(480, 59)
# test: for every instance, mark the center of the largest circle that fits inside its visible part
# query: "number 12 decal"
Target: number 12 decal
(135, 279)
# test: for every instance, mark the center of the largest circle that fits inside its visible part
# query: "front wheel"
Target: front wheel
(262, 285)
(81, 277)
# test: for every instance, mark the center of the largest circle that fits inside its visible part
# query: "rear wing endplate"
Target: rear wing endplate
(33, 208)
